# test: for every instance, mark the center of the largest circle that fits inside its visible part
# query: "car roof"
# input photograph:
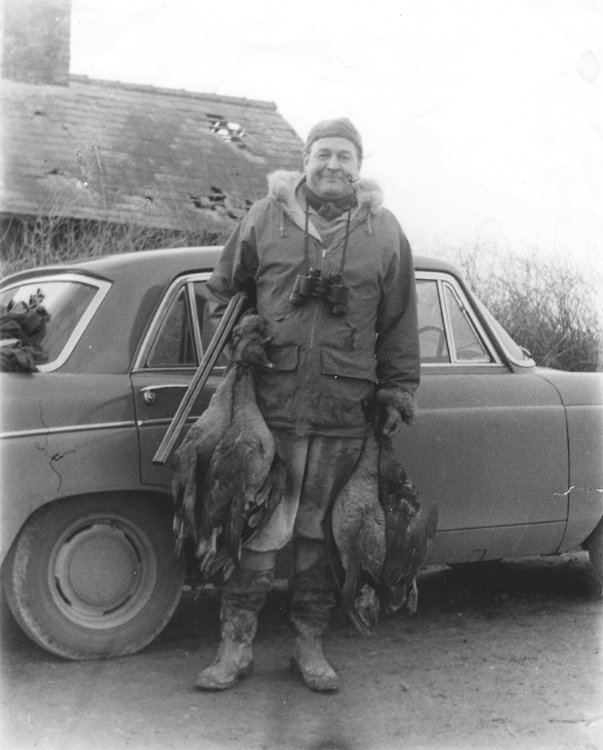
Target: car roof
(159, 262)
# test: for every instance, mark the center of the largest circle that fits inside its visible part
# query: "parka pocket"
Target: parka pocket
(348, 364)
(275, 387)
(284, 358)
(347, 382)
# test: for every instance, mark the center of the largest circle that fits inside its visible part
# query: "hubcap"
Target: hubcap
(103, 573)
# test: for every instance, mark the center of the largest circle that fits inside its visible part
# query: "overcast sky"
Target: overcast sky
(482, 119)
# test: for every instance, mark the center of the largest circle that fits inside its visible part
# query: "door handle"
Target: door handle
(149, 392)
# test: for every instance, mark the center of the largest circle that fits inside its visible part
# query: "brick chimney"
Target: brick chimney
(35, 45)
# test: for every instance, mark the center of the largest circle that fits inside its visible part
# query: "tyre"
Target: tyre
(594, 545)
(94, 577)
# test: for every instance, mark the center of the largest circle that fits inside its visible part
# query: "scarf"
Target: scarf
(329, 210)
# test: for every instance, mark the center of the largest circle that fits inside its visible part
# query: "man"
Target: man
(331, 272)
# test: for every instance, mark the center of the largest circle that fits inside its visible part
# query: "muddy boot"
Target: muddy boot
(309, 661)
(234, 658)
(312, 602)
(242, 598)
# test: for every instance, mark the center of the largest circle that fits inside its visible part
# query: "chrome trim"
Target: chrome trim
(159, 316)
(148, 388)
(102, 289)
(67, 428)
(176, 370)
(192, 306)
(163, 421)
(461, 363)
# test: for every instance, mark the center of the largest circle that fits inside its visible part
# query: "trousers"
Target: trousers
(318, 467)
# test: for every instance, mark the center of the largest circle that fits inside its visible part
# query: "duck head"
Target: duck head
(248, 342)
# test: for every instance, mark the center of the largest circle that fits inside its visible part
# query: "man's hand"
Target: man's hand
(391, 421)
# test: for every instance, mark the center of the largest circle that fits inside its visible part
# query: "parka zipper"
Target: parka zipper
(302, 418)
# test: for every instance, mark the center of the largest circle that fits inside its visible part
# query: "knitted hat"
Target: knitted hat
(338, 128)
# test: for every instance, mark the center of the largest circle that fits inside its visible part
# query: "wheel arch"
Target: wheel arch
(158, 498)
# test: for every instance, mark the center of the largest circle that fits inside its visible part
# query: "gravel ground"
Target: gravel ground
(504, 655)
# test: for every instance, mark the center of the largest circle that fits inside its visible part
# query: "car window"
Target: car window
(174, 344)
(68, 307)
(432, 335)
(206, 326)
(185, 332)
(466, 343)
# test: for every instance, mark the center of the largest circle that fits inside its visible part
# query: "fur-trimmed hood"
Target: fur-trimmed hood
(282, 185)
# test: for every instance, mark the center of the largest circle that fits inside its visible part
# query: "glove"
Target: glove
(391, 421)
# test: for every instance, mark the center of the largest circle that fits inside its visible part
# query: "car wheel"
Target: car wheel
(594, 545)
(94, 577)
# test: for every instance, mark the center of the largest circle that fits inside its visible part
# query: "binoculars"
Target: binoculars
(314, 284)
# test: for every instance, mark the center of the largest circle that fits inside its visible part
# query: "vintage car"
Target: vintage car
(509, 452)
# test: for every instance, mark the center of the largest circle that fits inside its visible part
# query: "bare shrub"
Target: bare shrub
(547, 306)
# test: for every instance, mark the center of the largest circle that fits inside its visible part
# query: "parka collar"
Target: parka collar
(283, 188)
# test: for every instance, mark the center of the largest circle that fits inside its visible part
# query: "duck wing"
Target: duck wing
(237, 476)
(191, 459)
(265, 502)
(218, 558)
(256, 457)
(401, 587)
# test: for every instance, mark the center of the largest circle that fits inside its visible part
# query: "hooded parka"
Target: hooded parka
(326, 367)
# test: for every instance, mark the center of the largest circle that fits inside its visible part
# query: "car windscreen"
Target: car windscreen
(58, 305)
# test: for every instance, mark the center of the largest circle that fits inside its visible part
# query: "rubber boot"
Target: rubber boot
(312, 603)
(243, 596)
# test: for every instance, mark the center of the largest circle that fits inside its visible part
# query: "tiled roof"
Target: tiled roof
(132, 153)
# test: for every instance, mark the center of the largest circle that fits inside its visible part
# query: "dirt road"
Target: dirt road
(498, 656)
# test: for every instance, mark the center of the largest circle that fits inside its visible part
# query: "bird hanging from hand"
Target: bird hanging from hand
(191, 459)
(226, 475)
(381, 534)
(245, 478)
(358, 528)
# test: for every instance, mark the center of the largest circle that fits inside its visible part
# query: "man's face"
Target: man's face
(330, 165)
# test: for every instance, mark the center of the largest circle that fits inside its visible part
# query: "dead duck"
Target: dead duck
(381, 536)
(358, 529)
(191, 460)
(245, 477)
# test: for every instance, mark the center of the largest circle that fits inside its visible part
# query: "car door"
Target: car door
(490, 444)
(166, 363)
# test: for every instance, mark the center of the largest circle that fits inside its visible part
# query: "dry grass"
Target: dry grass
(29, 242)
